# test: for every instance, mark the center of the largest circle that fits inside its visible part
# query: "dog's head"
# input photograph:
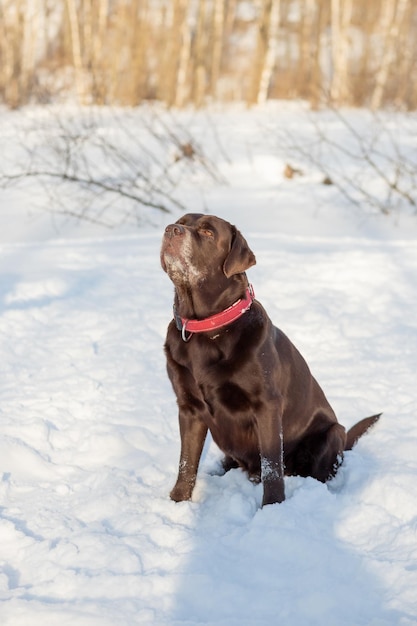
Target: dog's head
(199, 247)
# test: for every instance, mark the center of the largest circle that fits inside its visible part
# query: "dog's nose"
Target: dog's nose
(174, 230)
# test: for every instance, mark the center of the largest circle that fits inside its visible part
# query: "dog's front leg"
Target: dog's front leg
(193, 434)
(271, 446)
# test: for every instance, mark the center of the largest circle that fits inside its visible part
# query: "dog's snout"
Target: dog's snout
(174, 230)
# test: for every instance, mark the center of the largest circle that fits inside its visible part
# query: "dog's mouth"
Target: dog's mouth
(177, 259)
(171, 251)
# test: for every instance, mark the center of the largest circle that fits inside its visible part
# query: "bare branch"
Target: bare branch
(103, 160)
(366, 165)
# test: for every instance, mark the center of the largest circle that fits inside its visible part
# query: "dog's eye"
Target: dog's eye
(206, 232)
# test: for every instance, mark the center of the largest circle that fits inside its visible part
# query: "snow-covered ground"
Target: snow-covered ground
(89, 441)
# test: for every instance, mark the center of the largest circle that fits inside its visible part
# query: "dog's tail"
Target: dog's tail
(359, 429)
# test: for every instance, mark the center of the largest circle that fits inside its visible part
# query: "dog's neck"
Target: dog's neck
(199, 301)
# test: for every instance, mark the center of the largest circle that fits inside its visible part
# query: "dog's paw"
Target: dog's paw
(180, 493)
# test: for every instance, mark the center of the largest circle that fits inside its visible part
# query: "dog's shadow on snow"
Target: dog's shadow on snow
(289, 564)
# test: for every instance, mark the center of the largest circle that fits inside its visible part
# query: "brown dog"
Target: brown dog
(236, 374)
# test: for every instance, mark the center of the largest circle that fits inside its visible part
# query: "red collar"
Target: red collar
(216, 321)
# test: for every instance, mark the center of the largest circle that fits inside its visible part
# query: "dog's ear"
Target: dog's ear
(240, 257)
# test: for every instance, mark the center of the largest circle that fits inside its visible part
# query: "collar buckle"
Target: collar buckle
(184, 337)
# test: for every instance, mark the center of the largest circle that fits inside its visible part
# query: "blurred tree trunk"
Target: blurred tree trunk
(12, 24)
(341, 16)
(317, 75)
(271, 52)
(309, 47)
(173, 69)
(393, 13)
(76, 50)
(92, 22)
(229, 18)
(217, 48)
(140, 46)
(199, 66)
(98, 63)
(407, 89)
(263, 61)
(30, 30)
(182, 87)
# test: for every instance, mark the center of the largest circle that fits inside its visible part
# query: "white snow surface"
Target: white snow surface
(89, 439)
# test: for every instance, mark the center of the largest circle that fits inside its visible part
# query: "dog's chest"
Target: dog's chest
(226, 385)
(231, 418)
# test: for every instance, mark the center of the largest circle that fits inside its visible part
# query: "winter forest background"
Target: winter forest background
(122, 52)
(296, 120)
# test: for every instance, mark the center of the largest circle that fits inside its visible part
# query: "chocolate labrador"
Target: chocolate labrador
(236, 374)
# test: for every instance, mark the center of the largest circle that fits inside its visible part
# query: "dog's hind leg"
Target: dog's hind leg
(319, 455)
